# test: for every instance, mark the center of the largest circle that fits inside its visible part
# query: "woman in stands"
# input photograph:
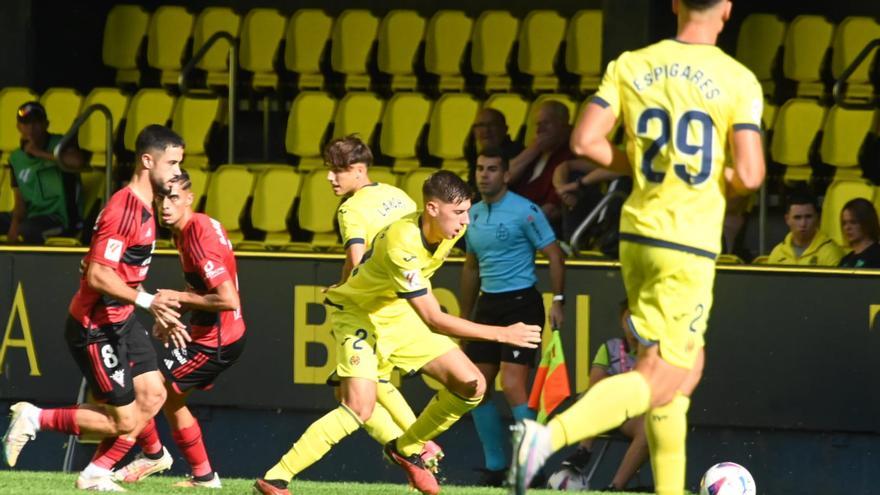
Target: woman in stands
(861, 230)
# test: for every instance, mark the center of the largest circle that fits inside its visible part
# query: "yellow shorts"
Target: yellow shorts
(670, 296)
(371, 345)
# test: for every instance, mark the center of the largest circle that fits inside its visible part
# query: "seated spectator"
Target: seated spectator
(45, 190)
(805, 244)
(614, 357)
(861, 231)
(491, 133)
(531, 172)
(578, 182)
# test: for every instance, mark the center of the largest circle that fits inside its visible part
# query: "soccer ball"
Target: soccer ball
(568, 480)
(727, 478)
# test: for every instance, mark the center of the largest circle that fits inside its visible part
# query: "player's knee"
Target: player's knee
(363, 409)
(125, 424)
(473, 386)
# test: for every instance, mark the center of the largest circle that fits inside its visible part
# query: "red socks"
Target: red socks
(111, 451)
(189, 440)
(62, 420)
(149, 439)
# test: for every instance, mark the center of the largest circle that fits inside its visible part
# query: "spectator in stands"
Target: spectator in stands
(531, 172)
(578, 182)
(805, 244)
(616, 356)
(861, 230)
(491, 133)
(45, 189)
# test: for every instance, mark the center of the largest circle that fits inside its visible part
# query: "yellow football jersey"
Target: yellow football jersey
(680, 103)
(399, 265)
(369, 210)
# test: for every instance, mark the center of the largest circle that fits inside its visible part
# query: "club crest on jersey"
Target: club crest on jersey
(354, 360)
(118, 376)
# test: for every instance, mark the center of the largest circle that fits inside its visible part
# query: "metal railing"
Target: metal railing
(190, 66)
(839, 84)
(74, 130)
(614, 191)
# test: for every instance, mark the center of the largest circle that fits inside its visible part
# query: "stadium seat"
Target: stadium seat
(315, 214)
(450, 125)
(797, 123)
(531, 128)
(850, 37)
(837, 195)
(843, 133)
(354, 33)
(400, 34)
(807, 40)
(216, 61)
(199, 179)
(62, 107)
(413, 181)
(761, 260)
(384, 175)
(192, 119)
(403, 122)
(10, 99)
(540, 37)
(7, 199)
(758, 46)
(124, 32)
(358, 113)
(227, 194)
(92, 134)
(768, 115)
(583, 48)
(492, 42)
(169, 32)
(274, 191)
(729, 259)
(310, 114)
(148, 106)
(306, 38)
(261, 34)
(446, 38)
(514, 107)
(94, 189)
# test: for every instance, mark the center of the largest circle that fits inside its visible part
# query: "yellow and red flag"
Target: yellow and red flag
(551, 385)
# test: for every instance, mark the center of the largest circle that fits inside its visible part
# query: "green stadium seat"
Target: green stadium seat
(354, 33)
(228, 192)
(837, 195)
(216, 61)
(316, 212)
(758, 46)
(358, 113)
(192, 119)
(843, 133)
(540, 37)
(531, 128)
(807, 40)
(274, 191)
(797, 123)
(124, 31)
(400, 34)
(62, 107)
(403, 122)
(306, 38)
(148, 106)
(168, 34)
(261, 33)
(92, 134)
(414, 180)
(450, 125)
(583, 48)
(10, 99)
(446, 38)
(514, 107)
(850, 37)
(494, 33)
(310, 114)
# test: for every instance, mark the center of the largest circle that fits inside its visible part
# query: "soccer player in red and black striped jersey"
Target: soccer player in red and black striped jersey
(112, 349)
(217, 334)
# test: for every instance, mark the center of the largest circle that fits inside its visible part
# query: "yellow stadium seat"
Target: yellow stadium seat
(446, 38)
(583, 48)
(359, 114)
(450, 125)
(797, 123)
(92, 134)
(531, 128)
(514, 107)
(850, 37)
(7, 198)
(274, 191)
(768, 114)
(216, 62)
(403, 121)
(806, 41)
(494, 34)
(62, 107)
(148, 106)
(837, 195)
(354, 33)
(10, 99)
(316, 212)
(310, 114)
(761, 260)
(227, 194)
(192, 120)
(261, 34)
(382, 174)
(306, 38)
(758, 46)
(843, 134)
(169, 32)
(540, 36)
(94, 189)
(729, 259)
(400, 34)
(413, 181)
(124, 32)
(199, 179)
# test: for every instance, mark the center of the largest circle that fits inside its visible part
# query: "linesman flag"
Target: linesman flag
(551, 385)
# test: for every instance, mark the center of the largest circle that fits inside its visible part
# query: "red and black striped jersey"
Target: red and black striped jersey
(124, 239)
(208, 261)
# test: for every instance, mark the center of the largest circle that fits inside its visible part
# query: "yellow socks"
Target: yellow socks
(381, 425)
(390, 397)
(666, 429)
(441, 413)
(606, 405)
(315, 442)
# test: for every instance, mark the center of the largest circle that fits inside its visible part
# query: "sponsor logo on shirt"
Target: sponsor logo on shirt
(118, 376)
(212, 271)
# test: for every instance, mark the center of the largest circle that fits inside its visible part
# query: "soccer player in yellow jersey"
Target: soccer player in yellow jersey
(385, 314)
(369, 208)
(687, 110)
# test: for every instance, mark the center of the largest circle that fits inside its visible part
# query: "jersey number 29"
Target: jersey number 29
(703, 148)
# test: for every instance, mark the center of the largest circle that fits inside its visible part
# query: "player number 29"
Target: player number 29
(703, 148)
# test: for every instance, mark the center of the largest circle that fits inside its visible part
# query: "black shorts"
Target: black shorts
(111, 356)
(506, 308)
(197, 366)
